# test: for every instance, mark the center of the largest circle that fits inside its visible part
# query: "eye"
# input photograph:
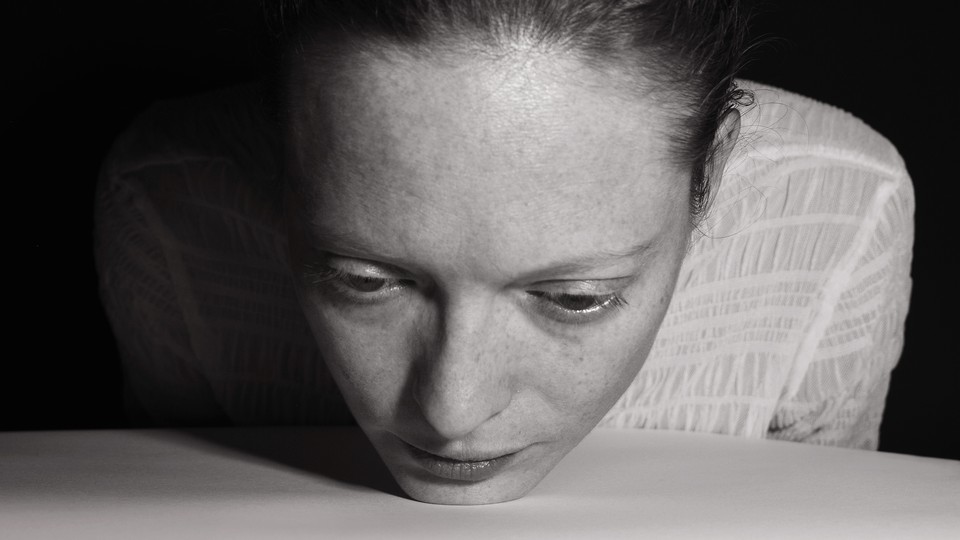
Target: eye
(352, 287)
(363, 284)
(577, 308)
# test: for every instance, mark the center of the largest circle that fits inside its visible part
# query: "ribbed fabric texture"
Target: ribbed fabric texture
(786, 322)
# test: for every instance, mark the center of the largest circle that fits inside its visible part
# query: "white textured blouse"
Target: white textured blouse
(786, 321)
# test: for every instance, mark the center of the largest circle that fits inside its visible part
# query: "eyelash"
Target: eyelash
(338, 282)
(598, 305)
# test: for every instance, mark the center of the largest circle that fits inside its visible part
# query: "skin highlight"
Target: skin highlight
(447, 213)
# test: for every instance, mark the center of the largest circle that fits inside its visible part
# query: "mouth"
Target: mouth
(472, 469)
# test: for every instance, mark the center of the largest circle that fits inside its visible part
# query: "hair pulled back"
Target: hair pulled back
(689, 50)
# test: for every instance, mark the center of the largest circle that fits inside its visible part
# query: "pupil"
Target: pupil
(366, 284)
(577, 302)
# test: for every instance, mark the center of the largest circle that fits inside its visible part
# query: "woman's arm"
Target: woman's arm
(141, 303)
(839, 399)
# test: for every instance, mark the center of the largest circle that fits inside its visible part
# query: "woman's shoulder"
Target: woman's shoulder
(214, 153)
(803, 163)
(230, 124)
(809, 232)
(785, 123)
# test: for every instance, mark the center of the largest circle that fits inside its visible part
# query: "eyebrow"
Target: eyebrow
(343, 244)
(590, 262)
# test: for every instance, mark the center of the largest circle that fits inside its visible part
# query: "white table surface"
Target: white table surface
(283, 483)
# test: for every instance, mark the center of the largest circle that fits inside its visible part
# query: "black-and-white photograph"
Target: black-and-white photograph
(481, 269)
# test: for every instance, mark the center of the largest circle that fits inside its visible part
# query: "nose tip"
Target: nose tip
(457, 403)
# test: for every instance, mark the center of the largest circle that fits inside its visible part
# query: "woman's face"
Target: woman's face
(485, 250)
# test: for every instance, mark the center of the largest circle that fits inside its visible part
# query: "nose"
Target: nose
(464, 379)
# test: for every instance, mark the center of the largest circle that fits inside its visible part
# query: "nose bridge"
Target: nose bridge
(463, 380)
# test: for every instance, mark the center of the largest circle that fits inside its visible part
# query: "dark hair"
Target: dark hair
(691, 50)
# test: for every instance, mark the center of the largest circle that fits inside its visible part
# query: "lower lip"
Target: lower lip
(463, 471)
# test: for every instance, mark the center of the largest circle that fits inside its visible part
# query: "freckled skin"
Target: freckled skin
(468, 176)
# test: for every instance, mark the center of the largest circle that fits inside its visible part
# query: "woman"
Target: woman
(485, 217)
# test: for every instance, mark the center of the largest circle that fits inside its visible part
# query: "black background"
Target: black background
(77, 72)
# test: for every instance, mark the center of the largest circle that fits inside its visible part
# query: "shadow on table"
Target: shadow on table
(341, 454)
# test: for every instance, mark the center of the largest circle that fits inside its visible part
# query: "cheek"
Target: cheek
(369, 358)
(585, 378)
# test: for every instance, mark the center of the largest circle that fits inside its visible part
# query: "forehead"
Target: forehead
(514, 150)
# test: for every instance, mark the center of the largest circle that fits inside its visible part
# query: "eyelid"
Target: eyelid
(596, 287)
(334, 281)
(608, 293)
(605, 306)
(363, 267)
